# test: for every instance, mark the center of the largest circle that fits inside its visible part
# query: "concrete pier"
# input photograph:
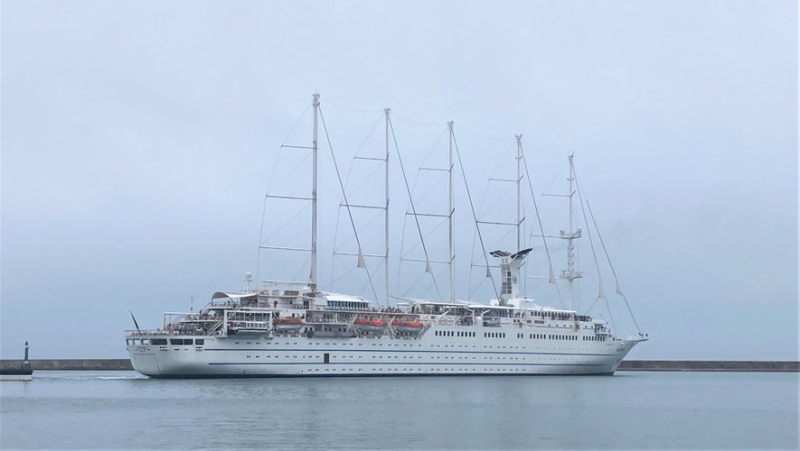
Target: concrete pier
(627, 365)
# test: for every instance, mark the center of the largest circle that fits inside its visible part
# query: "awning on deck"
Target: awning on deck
(220, 295)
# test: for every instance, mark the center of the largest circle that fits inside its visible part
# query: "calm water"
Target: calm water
(629, 410)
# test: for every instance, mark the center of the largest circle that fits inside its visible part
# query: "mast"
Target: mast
(519, 179)
(386, 213)
(451, 257)
(570, 274)
(313, 275)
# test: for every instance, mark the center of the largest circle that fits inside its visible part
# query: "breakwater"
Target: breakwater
(72, 364)
(626, 365)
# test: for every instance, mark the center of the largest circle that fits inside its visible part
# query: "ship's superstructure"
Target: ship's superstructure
(294, 329)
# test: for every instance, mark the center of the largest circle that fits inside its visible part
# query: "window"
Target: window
(199, 341)
(158, 341)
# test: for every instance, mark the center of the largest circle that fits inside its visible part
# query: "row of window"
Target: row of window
(447, 333)
(427, 358)
(450, 333)
(185, 341)
(163, 341)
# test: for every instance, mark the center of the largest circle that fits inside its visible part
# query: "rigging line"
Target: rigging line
(441, 271)
(539, 219)
(474, 237)
(408, 119)
(503, 237)
(260, 240)
(472, 258)
(589, 232)
(497, 204)
(427, 235)
(378, 122)
(414, 283)
(430, 151)
(502, 163)
(476, 135)
(431, 189)
(553, 212)
(483, 200)
(427, 288)
(549, 184)
(370, 221)
(275, 167)
(366, 179)
(289, 173)
(619, 290)
(472, 208)
(335, 238)
(286, 224)
(552, 155)
(400, 261)
(591, 306)
(291, 130)
(411, 200)
(359, 110)
(341, 185)
(478, 287)
(302, 269)
(364, 143)
(346, 273)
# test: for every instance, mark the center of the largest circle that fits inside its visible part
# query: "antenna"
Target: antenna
(248, 282)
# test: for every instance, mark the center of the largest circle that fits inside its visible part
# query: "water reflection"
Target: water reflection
(629, 410)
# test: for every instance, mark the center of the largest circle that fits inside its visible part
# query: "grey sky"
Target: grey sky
(137, 140)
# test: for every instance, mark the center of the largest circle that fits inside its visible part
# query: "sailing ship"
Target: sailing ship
(294, 329)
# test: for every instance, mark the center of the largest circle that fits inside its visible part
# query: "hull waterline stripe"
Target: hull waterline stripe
(408, 364)
(404, 350)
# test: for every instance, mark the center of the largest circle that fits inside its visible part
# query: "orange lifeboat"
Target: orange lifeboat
(287, 324)
(407, 327)
(367, 325)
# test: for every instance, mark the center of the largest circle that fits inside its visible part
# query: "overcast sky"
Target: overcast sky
(138, 139)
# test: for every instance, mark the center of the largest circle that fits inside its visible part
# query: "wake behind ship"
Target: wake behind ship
(294, 329)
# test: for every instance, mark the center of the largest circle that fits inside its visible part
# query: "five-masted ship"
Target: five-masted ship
(295, 329)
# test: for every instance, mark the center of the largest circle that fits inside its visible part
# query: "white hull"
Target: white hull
(427, 355)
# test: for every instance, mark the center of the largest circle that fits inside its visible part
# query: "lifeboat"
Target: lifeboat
(292, 324)
(366, 325)
(407, 327)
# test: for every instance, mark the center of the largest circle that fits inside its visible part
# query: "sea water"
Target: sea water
(113, 410)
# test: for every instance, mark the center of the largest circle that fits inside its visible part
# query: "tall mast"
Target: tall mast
(519, 197)
(313, 275)
(386, 214)
(451, 209)
(570, 274)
